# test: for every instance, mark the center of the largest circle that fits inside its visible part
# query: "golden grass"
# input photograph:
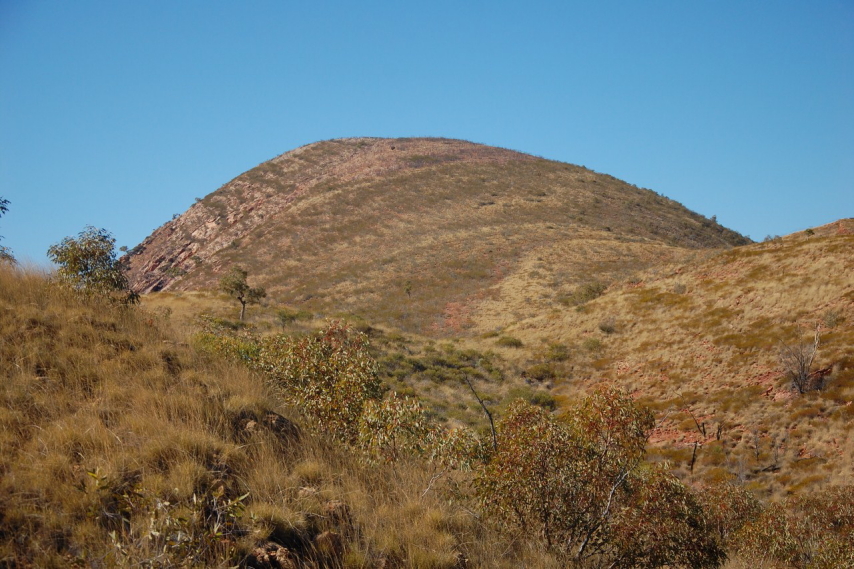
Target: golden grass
(412, 236)
(713, 328)
(111, 425)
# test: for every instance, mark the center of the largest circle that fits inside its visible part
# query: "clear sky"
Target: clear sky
(118, 114)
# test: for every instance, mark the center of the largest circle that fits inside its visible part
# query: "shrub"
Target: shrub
(590, 291)
(608, 325)
(88, 264)
(330, 375)
(509, 342)
(557, 352)
(577, 486)
(394, 427)
(797, 360)
(234, 284)
(809, 531)
(540, 372)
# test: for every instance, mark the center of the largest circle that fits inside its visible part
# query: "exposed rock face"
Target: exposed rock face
(229, 214)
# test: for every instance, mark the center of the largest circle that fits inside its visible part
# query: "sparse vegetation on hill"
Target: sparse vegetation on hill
(415, 233)
(5, 253)
(123, 445)
(700, 342)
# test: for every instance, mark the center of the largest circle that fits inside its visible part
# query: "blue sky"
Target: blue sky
(119, 114)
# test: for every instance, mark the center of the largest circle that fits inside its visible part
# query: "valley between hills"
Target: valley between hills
(465, 356)
(566, 277)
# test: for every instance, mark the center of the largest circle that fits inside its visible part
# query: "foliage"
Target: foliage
(584, 293)
(332, 378)
(329, 375)
(608, 325)
(5, 252)
(576, 486)
(509, 342)
(88, 264)
(202, 530)
(662, 524)
(447, 364)
(234, 284)
(728, 508)
(393, 427)
(808, 531)
(286, 317)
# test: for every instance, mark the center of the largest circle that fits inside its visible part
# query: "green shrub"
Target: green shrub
(88, 264)
(584, 293)
(579, 488)
(540, 372)
(557, 352)
(330, 375)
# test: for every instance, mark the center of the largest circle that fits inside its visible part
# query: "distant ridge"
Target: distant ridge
(351, 224)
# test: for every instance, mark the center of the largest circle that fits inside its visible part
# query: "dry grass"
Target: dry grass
(112, 426)
(413, 233)
(701, 333)
(705, 335)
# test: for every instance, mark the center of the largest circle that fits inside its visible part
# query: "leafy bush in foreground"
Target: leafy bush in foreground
(579, 487)
(809, 531)
(88, 264)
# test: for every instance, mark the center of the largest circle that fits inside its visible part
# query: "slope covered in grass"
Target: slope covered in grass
(124, 444)
(121, 444)
(700, 342)
(412, 232)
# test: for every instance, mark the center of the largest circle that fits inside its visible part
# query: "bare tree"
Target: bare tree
(797, 360)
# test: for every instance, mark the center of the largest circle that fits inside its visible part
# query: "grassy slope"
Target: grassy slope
(110, 422)
(703, 338)
(699, 336)
(344, 225)
(100, 404)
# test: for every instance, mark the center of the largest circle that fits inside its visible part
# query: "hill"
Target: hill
(124, 445)
(549, 279)
(700, 342)
(126, 442)
(417, 233)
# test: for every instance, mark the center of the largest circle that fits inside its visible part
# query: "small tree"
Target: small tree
(798, 359)
(5, 252)
(286, 317)
(87, 263)
(234, 284)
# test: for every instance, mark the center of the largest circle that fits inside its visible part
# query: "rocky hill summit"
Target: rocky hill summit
(415, 231)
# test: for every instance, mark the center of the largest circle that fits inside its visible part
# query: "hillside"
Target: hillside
(126, 442)
(121, 445)
(417, 232)
(695, 339)
(701, 340)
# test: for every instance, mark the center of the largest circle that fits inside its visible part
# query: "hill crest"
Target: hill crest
(355, 218)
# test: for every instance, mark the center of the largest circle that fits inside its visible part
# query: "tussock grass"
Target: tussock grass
(345, 225)
(111, 426)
